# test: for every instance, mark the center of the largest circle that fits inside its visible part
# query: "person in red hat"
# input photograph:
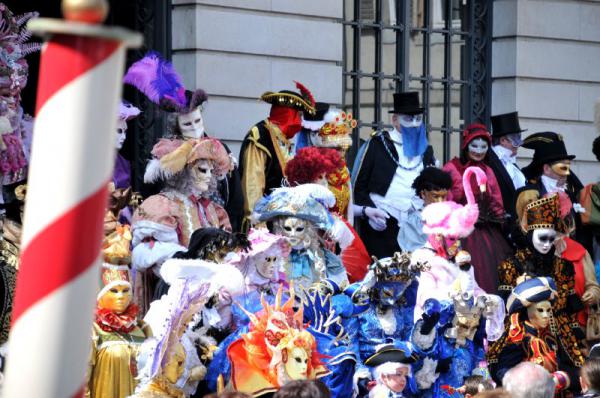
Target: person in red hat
(268, 146)
(486, 244)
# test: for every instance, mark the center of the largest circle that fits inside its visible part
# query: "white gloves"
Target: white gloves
(377, 218)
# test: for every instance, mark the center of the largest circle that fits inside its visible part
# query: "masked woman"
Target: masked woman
(486, 244)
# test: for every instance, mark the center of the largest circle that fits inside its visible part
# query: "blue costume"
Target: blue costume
(391, 288)
(449, 341)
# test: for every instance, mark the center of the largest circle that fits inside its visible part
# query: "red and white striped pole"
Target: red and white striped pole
(71, 163)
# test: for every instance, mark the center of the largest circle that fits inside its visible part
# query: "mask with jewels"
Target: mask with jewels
(393, 275)
(295, 230)
(191, 125)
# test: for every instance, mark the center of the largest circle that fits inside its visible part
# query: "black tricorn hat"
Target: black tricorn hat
(321, 108)
(407, 103)
(506, 123)
(399, 353)
(549, 147)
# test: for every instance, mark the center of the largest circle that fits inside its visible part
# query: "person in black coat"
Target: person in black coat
(385, 173)
(506, 140)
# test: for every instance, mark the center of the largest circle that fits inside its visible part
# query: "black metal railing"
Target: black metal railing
(465, 22)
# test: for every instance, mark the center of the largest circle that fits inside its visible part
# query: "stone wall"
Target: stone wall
(546, 57)
(237, 49)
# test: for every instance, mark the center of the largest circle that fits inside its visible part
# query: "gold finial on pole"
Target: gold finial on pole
(88, 11)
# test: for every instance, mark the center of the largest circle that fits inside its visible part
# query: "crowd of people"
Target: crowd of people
(281, 272)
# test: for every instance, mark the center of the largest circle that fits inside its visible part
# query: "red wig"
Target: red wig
(310, 163)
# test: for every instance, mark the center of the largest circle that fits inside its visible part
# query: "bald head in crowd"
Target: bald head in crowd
(528, 380)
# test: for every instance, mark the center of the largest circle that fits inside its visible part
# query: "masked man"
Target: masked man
(267, 147)
(383, 189)
(506, 140)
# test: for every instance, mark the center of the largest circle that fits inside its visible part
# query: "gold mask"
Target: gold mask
(562, 168)
(175, 366)
(117, 299)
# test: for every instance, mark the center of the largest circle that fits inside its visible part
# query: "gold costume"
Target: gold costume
(113, 363)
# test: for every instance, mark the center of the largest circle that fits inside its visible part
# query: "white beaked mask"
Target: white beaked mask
(543, 239)
(191, 124)
(121, 133)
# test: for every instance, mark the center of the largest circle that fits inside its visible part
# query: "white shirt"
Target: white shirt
(510, 164)
(400, 197)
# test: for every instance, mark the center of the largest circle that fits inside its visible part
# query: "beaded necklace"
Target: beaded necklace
(397, 161)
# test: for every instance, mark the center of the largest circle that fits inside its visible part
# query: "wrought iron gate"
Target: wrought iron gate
(441, 48)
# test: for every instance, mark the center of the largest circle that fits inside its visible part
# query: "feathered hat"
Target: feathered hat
(168, 317)
(303, 101)
(262, 242)
(14, 47)
(159, 81)
(308, 202)
(258, 357)
(171, 156)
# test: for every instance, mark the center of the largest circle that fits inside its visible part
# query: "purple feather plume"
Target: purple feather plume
(157, 79)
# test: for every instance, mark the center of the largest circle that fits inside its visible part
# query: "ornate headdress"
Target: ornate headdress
(337, 130)
(261, 242)
(14, 47)
(258, 358)
(397, 268)
(542, 213)
(117, 255)
(171, 156)
(303, 102)
(159, 81)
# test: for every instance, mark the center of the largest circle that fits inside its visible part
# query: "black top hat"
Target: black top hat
(321, 109)
(399, 353)
(506, 123)
(407, 103)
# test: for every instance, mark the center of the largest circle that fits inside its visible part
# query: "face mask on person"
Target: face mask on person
(121, 133)
(539, 314)
(191, 124)
(117, 299)
(477, 149)
(543, 239)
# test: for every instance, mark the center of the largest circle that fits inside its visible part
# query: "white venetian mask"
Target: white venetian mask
(539, 314)
(121, 133)
(295, 230)
(202, 174)
(477, 149)
(411, 120)
(543, 239)
(191, 124)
